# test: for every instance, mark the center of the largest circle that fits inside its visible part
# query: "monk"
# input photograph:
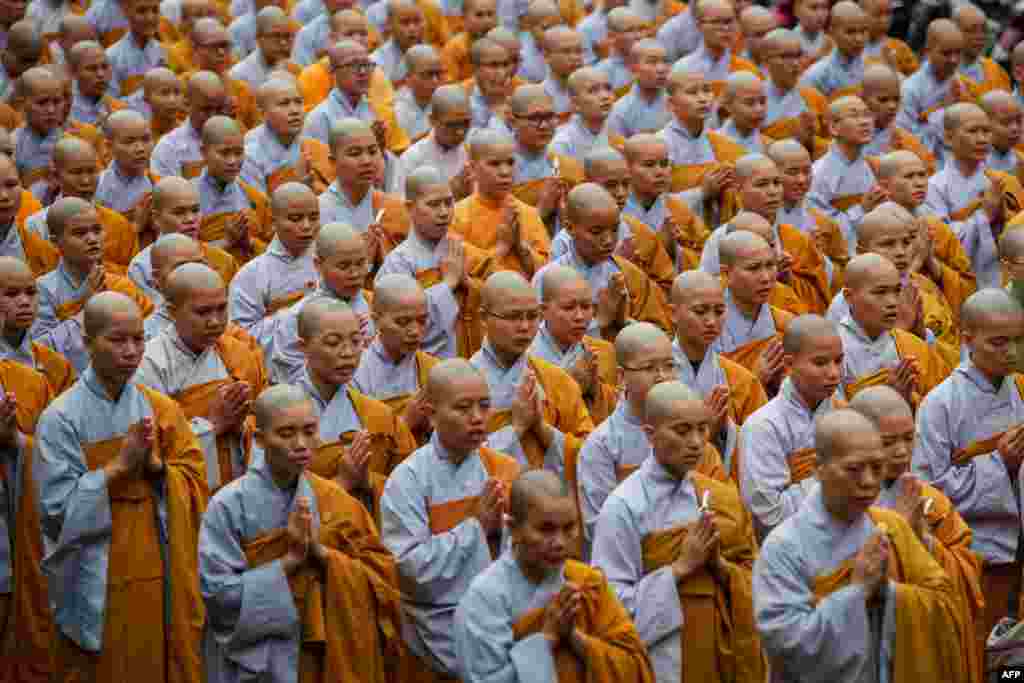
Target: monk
(179, 152)
(936, 85)
(563, 52)
(139, 50)
(342, 264)
(752, 329)
(619, 446)
(442, 146)
(701, 159)
(212, 376)
(161, 99)
(756, 22)
(266, 37)
(716, 57)
(592, 96)
(447, 268)
(285, 272)
(543, 170)
(967, 444)
(979, 73)
(1011, 261)
(75, 173)
(23, 49)
(452, 493)
(362, 438)
(19, 303)
(491, 216)
(274, 151)
(840, 73)
(776, 443)
(732, 392)
(478, 17)
(783, 296)
(643, 108)
(621, 290)
(302, 536)
(674, 544)
(846, 591)
(1005, 115)
(494, 67)
(536, 615)
(16, 205)
(127, 180)
(112, 459)
(881, 94)
(804, 119)
(174, 208)
(562, 339)
(78, 234)
(875, 351)
(164, 257)
(211, 51)
(92, 100)
(624, 28)
(744, 98)
(883, 48)
(406, 26)
(235, 216)
(928, 511)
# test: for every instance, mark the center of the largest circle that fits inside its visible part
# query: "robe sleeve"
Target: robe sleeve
(765, 484)
(247, 308)
(163, 161)
(820, 197)
(597, 479)
(652, 600)
(11, 459)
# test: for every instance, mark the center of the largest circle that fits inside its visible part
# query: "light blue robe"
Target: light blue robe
(833, 73)
(426, 152)
(253, 69)
(181, 145)
(948, 192)
(216, 197)
(574, 139)
(266, 154)
(680, 35)
(597, 276)
(619, 75)
(412, 118)
(391, 60)
(128, 59)
(738, 330)
(634, 114)
(336, 106)
(381, 377)
(532, 66)
(336, 207)
(835, 176)
(63, 336)
(920, 92)
(10, 243)
(310, 39)
(119, 192)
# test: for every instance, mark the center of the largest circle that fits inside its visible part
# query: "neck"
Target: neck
(744, 130)
(220, 183)
(535, 575)
(871, 331)
(563, 346)
(849, 150)
(813, 405)
(286, 140)
(635, 406)
(967, 168)
(995, 379)
(139, 40)
(77, 273)
(113, 387)
(195, 349)
(283, 480)
(355, 193)
(838, 511)
(325, 389)
(694, 128)
(393, 356)
(747, 309)
(646, 199)
(506, 358)
(14, 338)
(791, 204)
(130, 172)
(353, 100)
(426, 240)
(694, 349)
(497, 196)
(455, 455)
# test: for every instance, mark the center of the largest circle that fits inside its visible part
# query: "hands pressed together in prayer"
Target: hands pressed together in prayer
(772, 366)
(138, 455)
(8, 421)
(302, 543)
(910, 314)
(718, 405)
(231, 407)
(415, 414)
(510, 240)
(528, 409)
(560, 620)
(718, 180)
(552, 196)
(491, 506)
(96, 280)
(913, 506)
(238, 233)
(871, 563)
(905, 378)
(611, 304)
(585, 372)
(701, 549)
(354, 465)
(453, 263)
(992, 203)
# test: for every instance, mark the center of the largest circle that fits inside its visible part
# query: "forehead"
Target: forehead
(650, 52)
(432, 193)
(857, 443)
(890, 227)
(181, 254)
(792, 157)
(613, 168)
(852, 108)
(911, 165)
(948, 38)
(597, 78)
(760, 252)
(498, 151)
(715, 10)
(407, 303)
(16, 277)
(686, 411)
(493, 51)
(296, 201)
(77, 154)
(821, 345)
(299, 413)
(880, 276)
(358, 139)
(347, 248)
(228, 140)
(44, 86)
(520, 297)
(749, 88)
(577, 288)
(431, 60)
(602, 213)
(850, 19)
(895, 423)
(122, 322)
(650, 150)
(883, 84)
(336, 322)
(197, 294)
(347, 54)
(282, 91)
(689, 80)
(405, 11)
(564, 39)
(1006, 108)
(995, 324)
(88, 217)
(467, 386)
(178, 196)
(129, 126)
(656, 348)
(701, 295)
(972, 117)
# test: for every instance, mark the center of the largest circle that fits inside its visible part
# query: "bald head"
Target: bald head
(837, 430)
(172, 188)
(847, 12)
(641, 144)
(751, 222)
(525, 96)
(503, 284)
(444, 376)
(320, 312)
(24, 39)
(865, 269)
(892, 163)
(396, 290)
(739, 245)
(270, 18)
(880, 78)
(958, 114)
(486, 141)
(61, 212)
(69, 150)
(529, 488)
(942, 32)
(204, 85)
(344, 130)
(586, 199)
(740, 83)
(880, 402)
(484, 48)
(174, 248)
(273, 89)
(86, 49)
(985, 305)
(12, 269)
(275, 401)
(692, 282)
(447, 99)
(556, 278)
(422, 180)
(284, 195)
(125, 122)
(218, 129)
(663, 401)
(840, 107)
(186, 280)
(208, 30)
(103, 308)
(747, 166)
(805, 329)
(599, 160)
(636, 338)
(161, 77)
(881, 220)
(583, 78)
(421, 56)
(335, 237)
(36, 79)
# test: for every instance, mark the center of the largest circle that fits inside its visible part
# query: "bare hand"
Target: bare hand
(718, 404)
(910, 504)
(551, 194)
(380, 132)
(626, 249)
(375, 238)
(993, 203)
(237, 232)
(808, 129)
(415, 413)
(526, 412)
(1011, 448)
(785, 266)
(298, 533)
(560, 614)
(231, 407)
(956, 92)
(453, 263)
(354, 466)
(584, 371)
(509, 234)
(904, 378)
(871, 563)
(462, 183)
(910, 315)
(490, 506)
(697, 549)
(96, 280)
(8, 421)
(875, 196)
(772, 364)
(717, 180)
(611, 302)
(135, 451)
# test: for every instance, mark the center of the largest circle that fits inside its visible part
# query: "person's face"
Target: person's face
(357, 159)
(651, 170)
(451, 127)
(290, 440)
(495, 170)
(213, 51)
(897, 433)
(817, 368)
(752, 277)
(883, 100)
(879, 18)
(167, 100)
(459, 415)
(6, 143)
(178, 213)
(81, 244)
(569, 313)
(855, 125)
(944, 56)
(594, 100)
(783, 64)
(679, 440)
(545, 539)
(851, 35)
(1006, 122)
(143, 17)
(224, 157)
(795, 173)
(852, 478)
(297, 223)
(812, 14)
(994, 343)
(344, 271)
(407, 27)
(699, 316)
(875, 305)
(481, 18)
(975, 33)
(646, 367)
(614, 176)
(908, 187)
(284, 113)
(333, 350)
(749, 107)
(201, 318)
(718, 26)
(45, 106)
(117, 350)
(564, 54)
(431, 212)
(131, 146)
(754, 30)
(512, 323)
(762, 192)
(971, 141)
(78, 176)
(276, 42)
(896, 244)
(495, 70)
(426, 77)
(632, 31)
(650, 68)
(206, 105)
(19, 300)
(352, 30)
(93, 74)
(402, 327)
(535, 127)
(596, 234)
(691, 99)
(352, 69)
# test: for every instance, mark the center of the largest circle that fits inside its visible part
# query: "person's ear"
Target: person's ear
(787, 362)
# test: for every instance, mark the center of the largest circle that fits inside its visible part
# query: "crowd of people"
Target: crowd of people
(507, 342)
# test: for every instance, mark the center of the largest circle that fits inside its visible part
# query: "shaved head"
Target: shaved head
(587, 198)
(394, 290)
(639, 144)
(269, 18)
(892, 163)
(881, 220)
(62, 211)
(836, 430)
(751, 164)
(635, 338)
(282, 197)
(805, 328)
(957, 113)
(334, 237)
(172, 187)
(12, 268)
(865, 269)
(274, 87)
(597, 161)
(25, 39)
(584, 77)
(342, 130)
(208, 29)
(204, 84)
(663, 400)
(218, 129)
(879, 402)
(122, 121)
(72, 149)
(418, 56)
(692, 281)
(837, 110)
(484, 141)
(986, 304)
(527, 95)
(531, 486)
(740, 82)
(751, 222)
(84, 50)
(447, 99)
(101, 309)
(421, 180)
(847, 11)
(276, 400)
(501, 284)
(174, 247)
(733, 247)
(556, 278)
(941, 30)
(187, 279)
(447, 373)
(317, 312)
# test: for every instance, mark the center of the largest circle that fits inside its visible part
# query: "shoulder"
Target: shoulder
(376, 414)
(763, 421)
(735, 374)
(499, 465)
(551, 375)
(725, 146)
(782, 318)
(162, 404)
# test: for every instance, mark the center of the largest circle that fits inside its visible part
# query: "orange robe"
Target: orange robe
(114, 283)
(694, 233)
(808, 277)
(213, 227)
(455, 59)
(316, 82)
(933, 367)
(749, 355)
(994, 77)
(792, 126)
(469, 330)
(83, 131)
(477, 219)
(40, 255)
(649, 254)
(604, 396)
(55, 367)
(726, 152)
(314, 166)
(902, 57)
(647, 302)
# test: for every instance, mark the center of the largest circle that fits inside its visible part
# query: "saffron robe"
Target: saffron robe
(35, 356)
(477, 219)
(743, 341)
(604, 394)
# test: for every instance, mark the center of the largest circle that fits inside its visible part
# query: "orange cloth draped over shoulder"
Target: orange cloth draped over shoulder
(931, 640)
(993, 77)
(829, 239)
(455, 58)
(134, 634)
(649, 254)
(749, 355)
(931, 365)
(719, 637)
(726, 152)
(469, 331)
(736, 63)
(693, 230)
(83, 131)
(349, 609)
(948, 248)
(214, 226)
(120, 238)
(940, 304)
(803, 463)
(314, 166)
(568, 169)
(614, 651)
(25, 646)
(395, 223)
(792, 126)
(901, 57)
(709, 464)
(40, 255)
(784, 297)
(746, 394)
(605, 395)
(1013, 199)
(963, 455)
(424, 362)
(647, 301)
(316, 83)
(114, 283)
(478, 218)
(55, 367)
(244, 364)
(809, 277)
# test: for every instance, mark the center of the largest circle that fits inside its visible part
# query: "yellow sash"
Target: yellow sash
(848, 202)
(802, 464)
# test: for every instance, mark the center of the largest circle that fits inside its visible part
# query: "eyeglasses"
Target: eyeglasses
(665, 368)
(357, 67)
(539, 120)
(520, 317)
